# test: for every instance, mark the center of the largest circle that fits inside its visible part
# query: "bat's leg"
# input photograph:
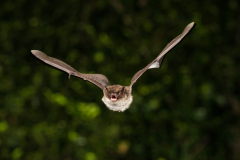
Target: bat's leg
(69, 74)
(119, 111)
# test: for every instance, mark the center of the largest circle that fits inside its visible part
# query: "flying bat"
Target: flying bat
(115, 97)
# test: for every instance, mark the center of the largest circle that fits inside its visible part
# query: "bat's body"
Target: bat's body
(115, 97)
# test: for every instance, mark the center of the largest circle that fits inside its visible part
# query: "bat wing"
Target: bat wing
(156, 63)
(98, 79)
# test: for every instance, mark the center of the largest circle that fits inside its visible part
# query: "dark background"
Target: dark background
(187, 109)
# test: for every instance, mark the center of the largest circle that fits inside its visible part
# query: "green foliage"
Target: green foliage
(187, 109)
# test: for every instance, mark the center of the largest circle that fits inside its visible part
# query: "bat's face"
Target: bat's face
(117, 98)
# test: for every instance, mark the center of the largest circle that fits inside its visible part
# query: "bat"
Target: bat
(115, 97)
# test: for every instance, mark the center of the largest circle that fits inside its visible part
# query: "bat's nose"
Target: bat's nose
(114, 94)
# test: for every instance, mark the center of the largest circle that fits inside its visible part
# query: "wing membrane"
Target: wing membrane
(98, 79)
(156, 63)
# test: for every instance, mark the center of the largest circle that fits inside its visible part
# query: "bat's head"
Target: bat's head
(117, 98)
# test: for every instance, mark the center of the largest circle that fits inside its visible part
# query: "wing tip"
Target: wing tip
(188, 27)
(39, 54)
(191, 24)
(35, 51)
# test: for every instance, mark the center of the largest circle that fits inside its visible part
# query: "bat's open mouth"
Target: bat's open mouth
(113, 98)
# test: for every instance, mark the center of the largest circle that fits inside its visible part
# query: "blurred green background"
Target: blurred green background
(188, 109)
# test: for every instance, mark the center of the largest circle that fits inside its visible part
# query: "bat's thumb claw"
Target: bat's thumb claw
(69, 76)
